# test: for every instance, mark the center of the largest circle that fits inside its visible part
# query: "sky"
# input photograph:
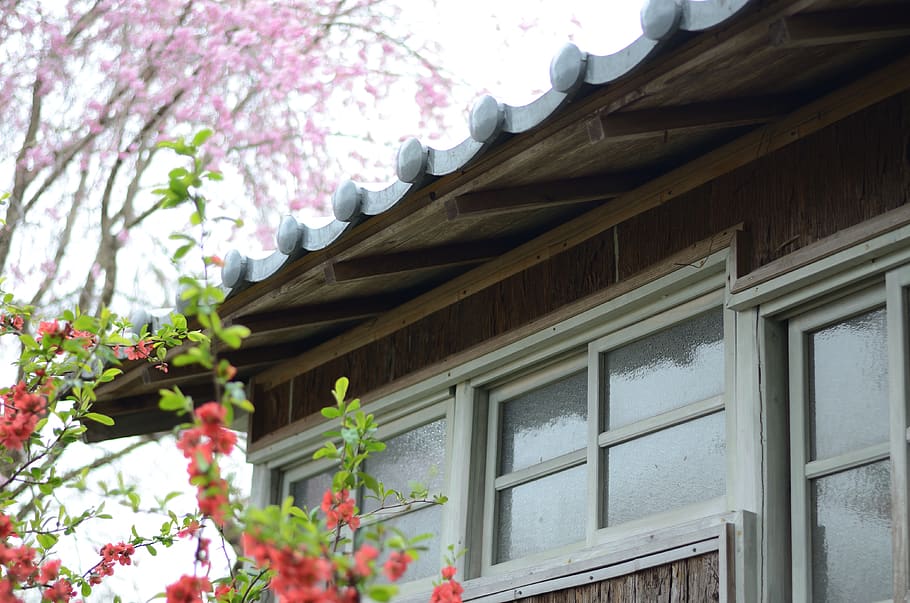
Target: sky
(501, 47)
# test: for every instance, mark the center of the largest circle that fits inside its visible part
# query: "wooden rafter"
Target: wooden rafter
(540, 195)
(842, 26)
(295, 317)
(632, 125)
(417, 259)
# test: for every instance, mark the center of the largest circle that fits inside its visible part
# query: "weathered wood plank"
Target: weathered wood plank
(806, 120)
(842, 26)
(540, 195)
(350, 269)
(631, 125)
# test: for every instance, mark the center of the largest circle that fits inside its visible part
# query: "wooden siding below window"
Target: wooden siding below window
(692, 580)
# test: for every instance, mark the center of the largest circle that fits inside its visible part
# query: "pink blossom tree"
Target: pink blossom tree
(88, 87)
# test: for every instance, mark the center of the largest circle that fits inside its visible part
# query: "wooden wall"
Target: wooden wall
(693, 580)
(838, 177)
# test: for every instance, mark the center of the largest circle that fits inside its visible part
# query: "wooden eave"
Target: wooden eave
(705, 105)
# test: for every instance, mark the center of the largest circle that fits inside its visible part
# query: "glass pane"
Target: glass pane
(540, 515)
(848, 385)
(308, 492)
(851, 535)
(423, 521)
(416, 455)
(669, 369)
(544, 423)
(666, 470)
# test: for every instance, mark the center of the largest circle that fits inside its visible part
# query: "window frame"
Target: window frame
(599, 440)
(803, 470)
(637, 324)
(497, 397)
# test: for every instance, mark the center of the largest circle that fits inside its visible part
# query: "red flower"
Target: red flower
(339, 508)
(447, 592)
(188, 589)
(60, 591)
(362, 560)
(141, 350)
(190, 530)
(223, 592)
(448, 572)
(49, 571)
(6, 527)
(396, 565)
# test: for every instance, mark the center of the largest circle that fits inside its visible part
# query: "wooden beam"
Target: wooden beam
(295, 317)
(646, 123)
(443, 256)
(540, 195)
(860, 94)
(842, 26)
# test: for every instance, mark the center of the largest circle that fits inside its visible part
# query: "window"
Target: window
(632, 430)
(661, 440)
(840, 451)
(539, 456)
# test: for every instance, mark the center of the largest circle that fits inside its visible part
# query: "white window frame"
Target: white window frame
(504, 384)
(599, 440)
(802, 469)
(498, 396)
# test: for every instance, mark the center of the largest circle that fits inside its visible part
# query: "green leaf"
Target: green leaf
(86, 589)
(381, 592)
(330, 412)
(152, 551)
(201, 136)
(341, 389)
(99, 418)
(109, 375)
(46, 540)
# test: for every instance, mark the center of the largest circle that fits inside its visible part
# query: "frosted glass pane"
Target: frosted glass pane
(308, 492)
(851, 535)
(848, 385)
(540, 515)
(669, 369)
(667, 469)
(423, 521)
(544, 423)
(416, 455)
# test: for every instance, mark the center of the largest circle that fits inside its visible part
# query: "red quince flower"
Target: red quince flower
(396, 565)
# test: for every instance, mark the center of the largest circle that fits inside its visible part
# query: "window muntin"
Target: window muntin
(840, 474)
(663, 439)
